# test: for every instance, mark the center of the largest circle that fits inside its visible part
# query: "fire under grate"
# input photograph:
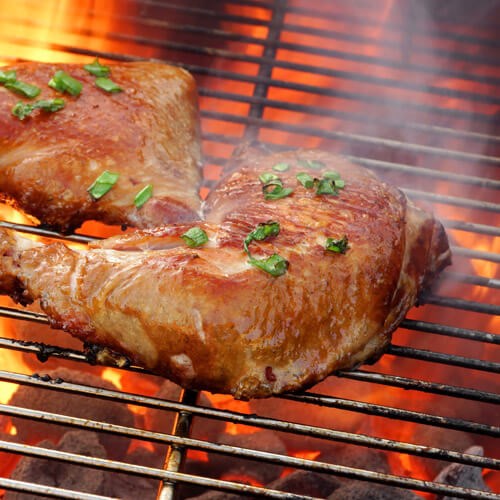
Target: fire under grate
(417, 104)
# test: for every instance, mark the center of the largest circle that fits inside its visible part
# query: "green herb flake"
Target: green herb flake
(275, 265)
(22, 110)
(22, 88)
(263, 231)
(339, 183)
(337, 246)
(334, 176)
(312, 164)
(277, 193)
(103, 184)
(107, 85)
(97, 69)
(8, 76)
(305, 179)
(326, 186)
(143, 195)
(267, 177)
(195, 237)
(281, 167)
(63, 82)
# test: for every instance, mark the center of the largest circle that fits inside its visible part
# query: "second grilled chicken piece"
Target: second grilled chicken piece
(214, 318)
(148, 134)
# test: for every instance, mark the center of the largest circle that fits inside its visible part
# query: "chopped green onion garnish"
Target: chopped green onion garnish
(314, 164)
(337, 246)
(305, 179)
(103, 184)
(281, 167)
(339, 183)
(63, 82)
(267, 177)
(261, 232)
(25, 89)
(22, 109)
(277, 193)
(107, 85)
(195, 237)
(273, 187)
(143, 195)
(326, 186)
(8, 76)
(275, 265)
(331, 175)
(97, 69)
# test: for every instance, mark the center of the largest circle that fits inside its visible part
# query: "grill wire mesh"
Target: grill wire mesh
(417, 103)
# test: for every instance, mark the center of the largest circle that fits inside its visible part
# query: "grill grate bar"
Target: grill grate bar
(471, 280)
(352, 36)
(176, 455)
(48, 491)
(351, 137)
(471, 227)
(309, 69)
(448, 359)
(310, 89)
(475, 254)
(380, 165)
(455, 303)
(453, 200)
(274, 44)
(399, 28)
(139, 470)
(266, 64)
(46, 233)
(451, 331)
(420, 385)
(267, 423)
(43, 350)
(272, 103)
(217, 448)
(393, 413)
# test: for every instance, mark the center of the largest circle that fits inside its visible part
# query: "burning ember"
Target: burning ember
(409, 89)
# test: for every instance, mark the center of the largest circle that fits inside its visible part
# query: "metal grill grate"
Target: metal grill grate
(418, 105)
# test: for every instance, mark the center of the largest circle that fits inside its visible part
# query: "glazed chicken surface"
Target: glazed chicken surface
(147, 133)
(211, 317)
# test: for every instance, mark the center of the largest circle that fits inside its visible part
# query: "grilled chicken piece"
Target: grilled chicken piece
(148, 134)
(208, 319)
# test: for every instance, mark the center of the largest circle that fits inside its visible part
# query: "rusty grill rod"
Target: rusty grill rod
(340, 470)
(264, 422)
(176, 455)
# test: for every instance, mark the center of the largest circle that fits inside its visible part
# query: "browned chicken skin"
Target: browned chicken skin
(206, 318)
(148, 134)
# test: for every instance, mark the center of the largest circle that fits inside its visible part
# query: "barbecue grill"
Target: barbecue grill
(409, 89)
